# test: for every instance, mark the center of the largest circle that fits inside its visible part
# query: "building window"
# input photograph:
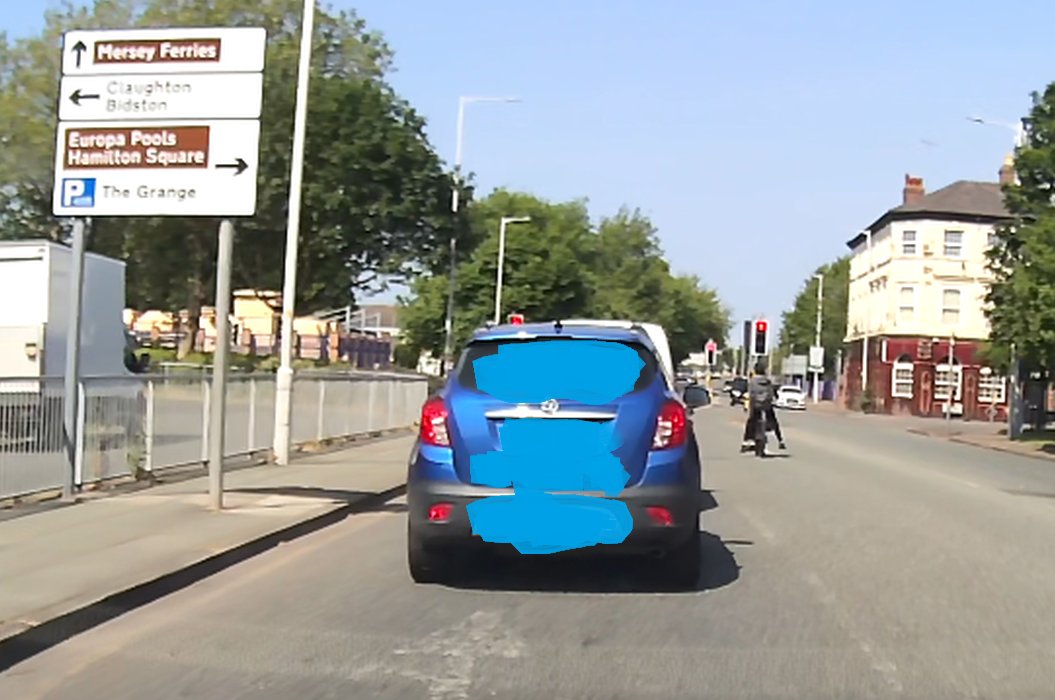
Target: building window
(992, 389)
(906, 307)
(901, 378)
(947, 379)
(992, 239)
(908, 242)
(950, 307)
(953, 244)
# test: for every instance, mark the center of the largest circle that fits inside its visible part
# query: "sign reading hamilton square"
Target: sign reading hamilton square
(149, 147)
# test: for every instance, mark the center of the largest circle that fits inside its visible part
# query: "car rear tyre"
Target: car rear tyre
(684, 562)
(424, 562)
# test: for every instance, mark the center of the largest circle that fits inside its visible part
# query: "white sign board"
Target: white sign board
(794, 365)
(186, 168)
(159, 122)
(816, 358)
(175, 50)
(161, 96)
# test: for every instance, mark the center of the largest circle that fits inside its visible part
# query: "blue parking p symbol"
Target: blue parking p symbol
(78, 192)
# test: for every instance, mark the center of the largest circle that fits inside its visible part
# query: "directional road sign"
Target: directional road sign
(175, 50)
(184, 168)
(161, 96)
(159, 122)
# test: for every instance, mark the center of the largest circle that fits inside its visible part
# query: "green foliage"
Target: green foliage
(1021, 298)
(558, 266)
(799, 325)
(374, 193)
(405, 356)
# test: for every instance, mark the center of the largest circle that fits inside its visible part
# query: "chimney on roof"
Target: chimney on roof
(913, 191)
(1007, 171)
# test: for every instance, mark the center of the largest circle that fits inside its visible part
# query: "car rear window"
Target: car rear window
(483, 348)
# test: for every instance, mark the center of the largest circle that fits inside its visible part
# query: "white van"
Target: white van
(654, 332)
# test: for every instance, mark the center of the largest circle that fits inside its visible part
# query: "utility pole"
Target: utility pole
(284, 375)
(448, 325)
(817, 337)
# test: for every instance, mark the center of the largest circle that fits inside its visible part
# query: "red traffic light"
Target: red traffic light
(516, 319)
(760, 326)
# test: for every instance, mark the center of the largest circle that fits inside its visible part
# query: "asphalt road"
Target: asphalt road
(866, 563)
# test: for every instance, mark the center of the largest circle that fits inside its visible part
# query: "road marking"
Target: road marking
(886, 668)
(457, 648)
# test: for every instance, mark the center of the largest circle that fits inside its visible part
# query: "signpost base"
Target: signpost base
(218, 406)
(71, 377)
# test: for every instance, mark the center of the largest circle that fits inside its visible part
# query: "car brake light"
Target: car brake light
(434, 423)
(670, 426)
(660, 516)
(440, 512)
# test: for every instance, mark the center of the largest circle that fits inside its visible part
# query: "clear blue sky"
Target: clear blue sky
(758, 136)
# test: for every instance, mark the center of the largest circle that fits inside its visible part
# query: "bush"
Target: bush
(406, 356)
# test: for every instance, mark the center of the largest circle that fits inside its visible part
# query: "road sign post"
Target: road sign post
(163, 122)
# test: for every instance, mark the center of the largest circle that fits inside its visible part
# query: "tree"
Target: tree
(544, 276)
(1021, 298)
(557, 266)
(374, 191)
(798, 325)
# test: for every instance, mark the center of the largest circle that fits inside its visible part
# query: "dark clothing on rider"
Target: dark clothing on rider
(762, 394)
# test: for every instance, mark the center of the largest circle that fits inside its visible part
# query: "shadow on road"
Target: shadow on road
(577, 572)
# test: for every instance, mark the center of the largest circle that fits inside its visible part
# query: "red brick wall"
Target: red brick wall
(925, 354)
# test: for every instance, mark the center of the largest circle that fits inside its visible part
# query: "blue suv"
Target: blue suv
(653, 509)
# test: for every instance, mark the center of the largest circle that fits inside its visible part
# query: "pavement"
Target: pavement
(987, 435)
(864, 562)
(63, 563)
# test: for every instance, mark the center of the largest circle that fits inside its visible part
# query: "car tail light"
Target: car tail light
(440, 512)
(660, 516)
(670, 426)
(434, 423)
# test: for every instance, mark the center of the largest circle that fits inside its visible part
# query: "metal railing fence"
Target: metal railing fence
(148, 422)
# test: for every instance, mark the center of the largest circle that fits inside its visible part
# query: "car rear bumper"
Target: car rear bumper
(646, 535)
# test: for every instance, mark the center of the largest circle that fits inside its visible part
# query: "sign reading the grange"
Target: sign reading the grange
(159, 122)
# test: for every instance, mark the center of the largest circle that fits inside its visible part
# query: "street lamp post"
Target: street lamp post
(448, 326)
(506, 220)
(817, 337)
(284, 375)
(1019, 128)
(868, 317)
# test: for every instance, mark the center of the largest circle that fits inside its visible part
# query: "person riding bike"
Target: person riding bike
(761, 394)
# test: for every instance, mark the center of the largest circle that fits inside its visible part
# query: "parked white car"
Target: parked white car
(791, 397)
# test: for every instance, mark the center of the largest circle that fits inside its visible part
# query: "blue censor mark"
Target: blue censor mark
(542, 456)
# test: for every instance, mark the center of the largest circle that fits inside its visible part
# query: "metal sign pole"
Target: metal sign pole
(218, 406)
(284, 375)
(71, 378)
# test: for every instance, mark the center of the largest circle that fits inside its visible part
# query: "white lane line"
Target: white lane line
(457, 649)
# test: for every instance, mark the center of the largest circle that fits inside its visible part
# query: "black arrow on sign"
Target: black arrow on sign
(77, 96)
(79, 48)
(238, 166)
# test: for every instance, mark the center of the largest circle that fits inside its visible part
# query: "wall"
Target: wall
(922, 403)
(875, 294)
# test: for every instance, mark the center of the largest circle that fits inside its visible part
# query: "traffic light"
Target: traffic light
(516, 319)
(760, 338)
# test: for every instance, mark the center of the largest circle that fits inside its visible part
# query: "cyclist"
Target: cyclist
(761, 393)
